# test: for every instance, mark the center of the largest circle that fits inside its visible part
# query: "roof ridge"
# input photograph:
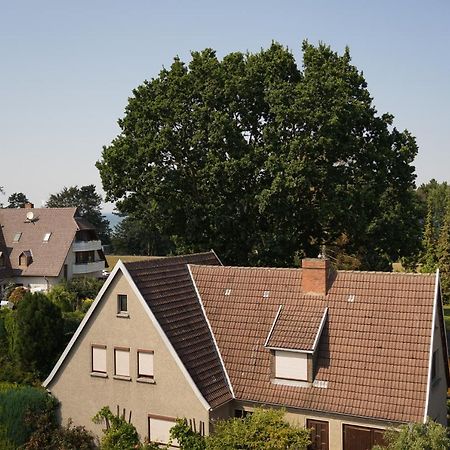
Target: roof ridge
(249, 267)
(379, 272)
(159, 258)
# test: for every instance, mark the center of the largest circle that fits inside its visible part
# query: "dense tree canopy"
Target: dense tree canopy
(88, 202)
(264, 161)
(17, 200)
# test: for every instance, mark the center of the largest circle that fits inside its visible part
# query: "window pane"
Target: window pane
(122, 362)
(122, 304)
(98, 359)
(145, 367)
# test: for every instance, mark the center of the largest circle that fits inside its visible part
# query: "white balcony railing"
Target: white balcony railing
(86, 268)
(86, 246)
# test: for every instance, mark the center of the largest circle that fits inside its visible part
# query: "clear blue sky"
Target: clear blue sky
(67, 69)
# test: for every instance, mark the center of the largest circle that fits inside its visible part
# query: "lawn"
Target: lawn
(447, 317)
(112, 259)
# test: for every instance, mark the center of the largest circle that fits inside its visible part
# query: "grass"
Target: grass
(112, 259)
(447, 317)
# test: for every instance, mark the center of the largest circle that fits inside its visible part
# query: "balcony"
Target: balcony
(86, 246)
(86, 268)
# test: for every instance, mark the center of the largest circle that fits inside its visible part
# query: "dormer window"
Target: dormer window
(291, 365)
(25, 258)
(47, 237)
(17, 237)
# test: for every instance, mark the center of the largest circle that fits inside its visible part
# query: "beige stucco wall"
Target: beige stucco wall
(437, 405)
(82, 395)
(335, 422)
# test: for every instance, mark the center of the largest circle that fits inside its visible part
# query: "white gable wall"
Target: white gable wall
(437, 403)
(82, 395)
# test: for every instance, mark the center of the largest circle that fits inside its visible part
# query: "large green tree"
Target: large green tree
(17, 200)
(265, 161)
(88, 202)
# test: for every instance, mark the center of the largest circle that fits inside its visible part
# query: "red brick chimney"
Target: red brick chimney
(315, 276)
(28, 205)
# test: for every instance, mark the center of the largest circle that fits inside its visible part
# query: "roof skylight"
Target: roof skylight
(17, 237)
(47, 237)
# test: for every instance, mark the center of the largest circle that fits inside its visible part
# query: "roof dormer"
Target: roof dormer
(25, 258)
(294, 343)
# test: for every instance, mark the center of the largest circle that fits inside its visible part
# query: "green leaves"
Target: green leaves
(264, 429)
(262, 161)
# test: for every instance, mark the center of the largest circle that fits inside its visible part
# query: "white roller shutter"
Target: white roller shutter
(122, 362)
(291, 365)
(160, 431)
(99, 359)
(145, 364)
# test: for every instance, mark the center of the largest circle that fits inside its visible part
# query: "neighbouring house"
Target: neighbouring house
(41, 246)
(346, 353)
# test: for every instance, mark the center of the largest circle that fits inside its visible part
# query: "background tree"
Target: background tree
(88, 202)
(138, 237)
(265, 162)
(435, 208)
(17, 200)
(39, 333)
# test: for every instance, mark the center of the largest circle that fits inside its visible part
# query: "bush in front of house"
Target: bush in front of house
(416, 436)
(16, 403)
(265, 428)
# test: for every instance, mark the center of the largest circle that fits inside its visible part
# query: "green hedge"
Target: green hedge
(15, 403)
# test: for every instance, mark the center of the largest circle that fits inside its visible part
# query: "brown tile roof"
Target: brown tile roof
(297, 326)
(373, 352)
(167, 288)
(48, 257)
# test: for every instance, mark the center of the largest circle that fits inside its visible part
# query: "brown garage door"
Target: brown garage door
(361, 438)
(319, 434)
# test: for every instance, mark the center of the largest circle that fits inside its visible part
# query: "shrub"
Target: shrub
(16, 402)
(17, 294)
(118, 434)
(51, 437)
(264, 429)
(63, 298)
(84, 287)
(186, 437)
(416, 436)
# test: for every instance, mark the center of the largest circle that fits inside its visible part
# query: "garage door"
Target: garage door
(319, 434)
(361, 438)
